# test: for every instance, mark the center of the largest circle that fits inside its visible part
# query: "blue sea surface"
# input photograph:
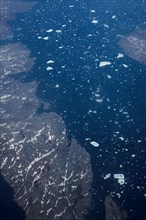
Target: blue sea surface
(102, 104)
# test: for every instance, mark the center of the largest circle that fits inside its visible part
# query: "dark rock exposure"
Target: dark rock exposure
(8, 11)
(113, 211)
(134, 45)
(51, 176)
(15, 58)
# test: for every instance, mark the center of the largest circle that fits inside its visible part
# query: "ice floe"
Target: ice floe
(49, 30)
(93, 11)
(114, 16)
(99, 100)
(46, 38)
(104, 63)
(57, 86)
(121, 138)
(49, 68)
(94, 21)
(94, 143)
(126, 66)
(120, 55)
(120, 177)
(58, 31)
(50, 61)
(107, 176)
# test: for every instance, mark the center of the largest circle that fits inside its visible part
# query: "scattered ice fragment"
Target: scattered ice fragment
(49, 30)
(95, 144)
(125, 65)
(49, 68)
(120, 55)
(99, 100)
(104, 63)
(93, 11)
(45, 38)
(121, 181)
(50, 61)
(108, 76)
(57, 86)
(117, 176)
(133, 155)
(118, 195)
(106, 25)
(114, 16)
(58, 31)
(107, 176)
(94, 21)
(121, 138)
(120, 177)
(39, 37)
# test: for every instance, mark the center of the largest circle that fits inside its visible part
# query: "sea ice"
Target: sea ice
(50, 61)
(49, 68)
(104, 63)
(107, 176)
(120, 55)
(99, 100)
(94, 21)
(121, 138)
(45, 38)
(58, 31)
(93, 11)
(120, 177)
(114, 16)
(94, 143)
(125, 65)
(49, 30)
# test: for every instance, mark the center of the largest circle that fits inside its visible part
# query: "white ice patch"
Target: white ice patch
(57, 86)
(99, 100)
(120, 177)
(106, 25)
(58, 31)
(50, 61)
(126, 66)
(104, 63)
(94, 143)
(120, 55)
(107, 176)
(45, 38)
(49, 30)
(49, 68)
(94, 21)
(93, 11)
(121, 138)
(114, 16)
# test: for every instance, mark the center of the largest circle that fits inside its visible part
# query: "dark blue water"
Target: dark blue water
(9, 209)
(76, 53)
